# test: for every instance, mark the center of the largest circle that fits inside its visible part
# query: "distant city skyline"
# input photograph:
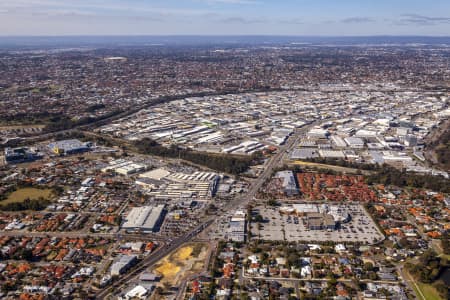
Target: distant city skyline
(225, 17)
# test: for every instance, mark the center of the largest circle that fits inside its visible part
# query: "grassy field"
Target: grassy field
(429, 292)
(31, 193)
(446, 256)
(423, 291)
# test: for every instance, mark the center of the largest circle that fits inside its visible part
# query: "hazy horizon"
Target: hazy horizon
(225, 17)
(217, 40)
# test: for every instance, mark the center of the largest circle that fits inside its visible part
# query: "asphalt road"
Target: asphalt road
(313, 279)
(273, 162)
(152, 259)
(233, 204)
(78, 234)
(171, 245)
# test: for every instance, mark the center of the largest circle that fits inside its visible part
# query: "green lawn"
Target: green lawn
(426, 290)
(429, 291)
(21, 194)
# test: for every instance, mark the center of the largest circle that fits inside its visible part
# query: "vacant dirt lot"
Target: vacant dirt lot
(187, 260)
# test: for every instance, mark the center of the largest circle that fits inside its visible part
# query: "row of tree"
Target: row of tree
(442, 149)
(343, 163)
(428, 270)
(62, 122)
(446, 243)
(388, 175)
(385, 174)
(27, 204)
(223, 163)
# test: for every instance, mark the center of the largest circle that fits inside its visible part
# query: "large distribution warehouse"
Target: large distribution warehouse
(144, 219)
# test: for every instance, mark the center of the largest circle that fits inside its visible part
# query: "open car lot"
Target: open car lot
(278, 226)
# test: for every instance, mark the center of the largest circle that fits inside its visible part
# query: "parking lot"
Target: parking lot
(278, 226)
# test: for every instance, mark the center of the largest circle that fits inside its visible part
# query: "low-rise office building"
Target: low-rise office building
(237, 227)
(122, 263)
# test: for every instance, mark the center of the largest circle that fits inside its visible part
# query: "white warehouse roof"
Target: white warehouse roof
(143, 218)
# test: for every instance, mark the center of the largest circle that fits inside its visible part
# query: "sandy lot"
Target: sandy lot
(187, 260)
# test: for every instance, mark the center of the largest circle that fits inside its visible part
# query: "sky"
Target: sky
(225, 17)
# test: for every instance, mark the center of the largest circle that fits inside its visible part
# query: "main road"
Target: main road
(80, 234)
(242, 201)
(274, 162)
(152, 259)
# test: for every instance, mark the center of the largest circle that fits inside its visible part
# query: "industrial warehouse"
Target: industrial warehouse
(161, 184)
(20, 155)
(144, 219)
(67, 147)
